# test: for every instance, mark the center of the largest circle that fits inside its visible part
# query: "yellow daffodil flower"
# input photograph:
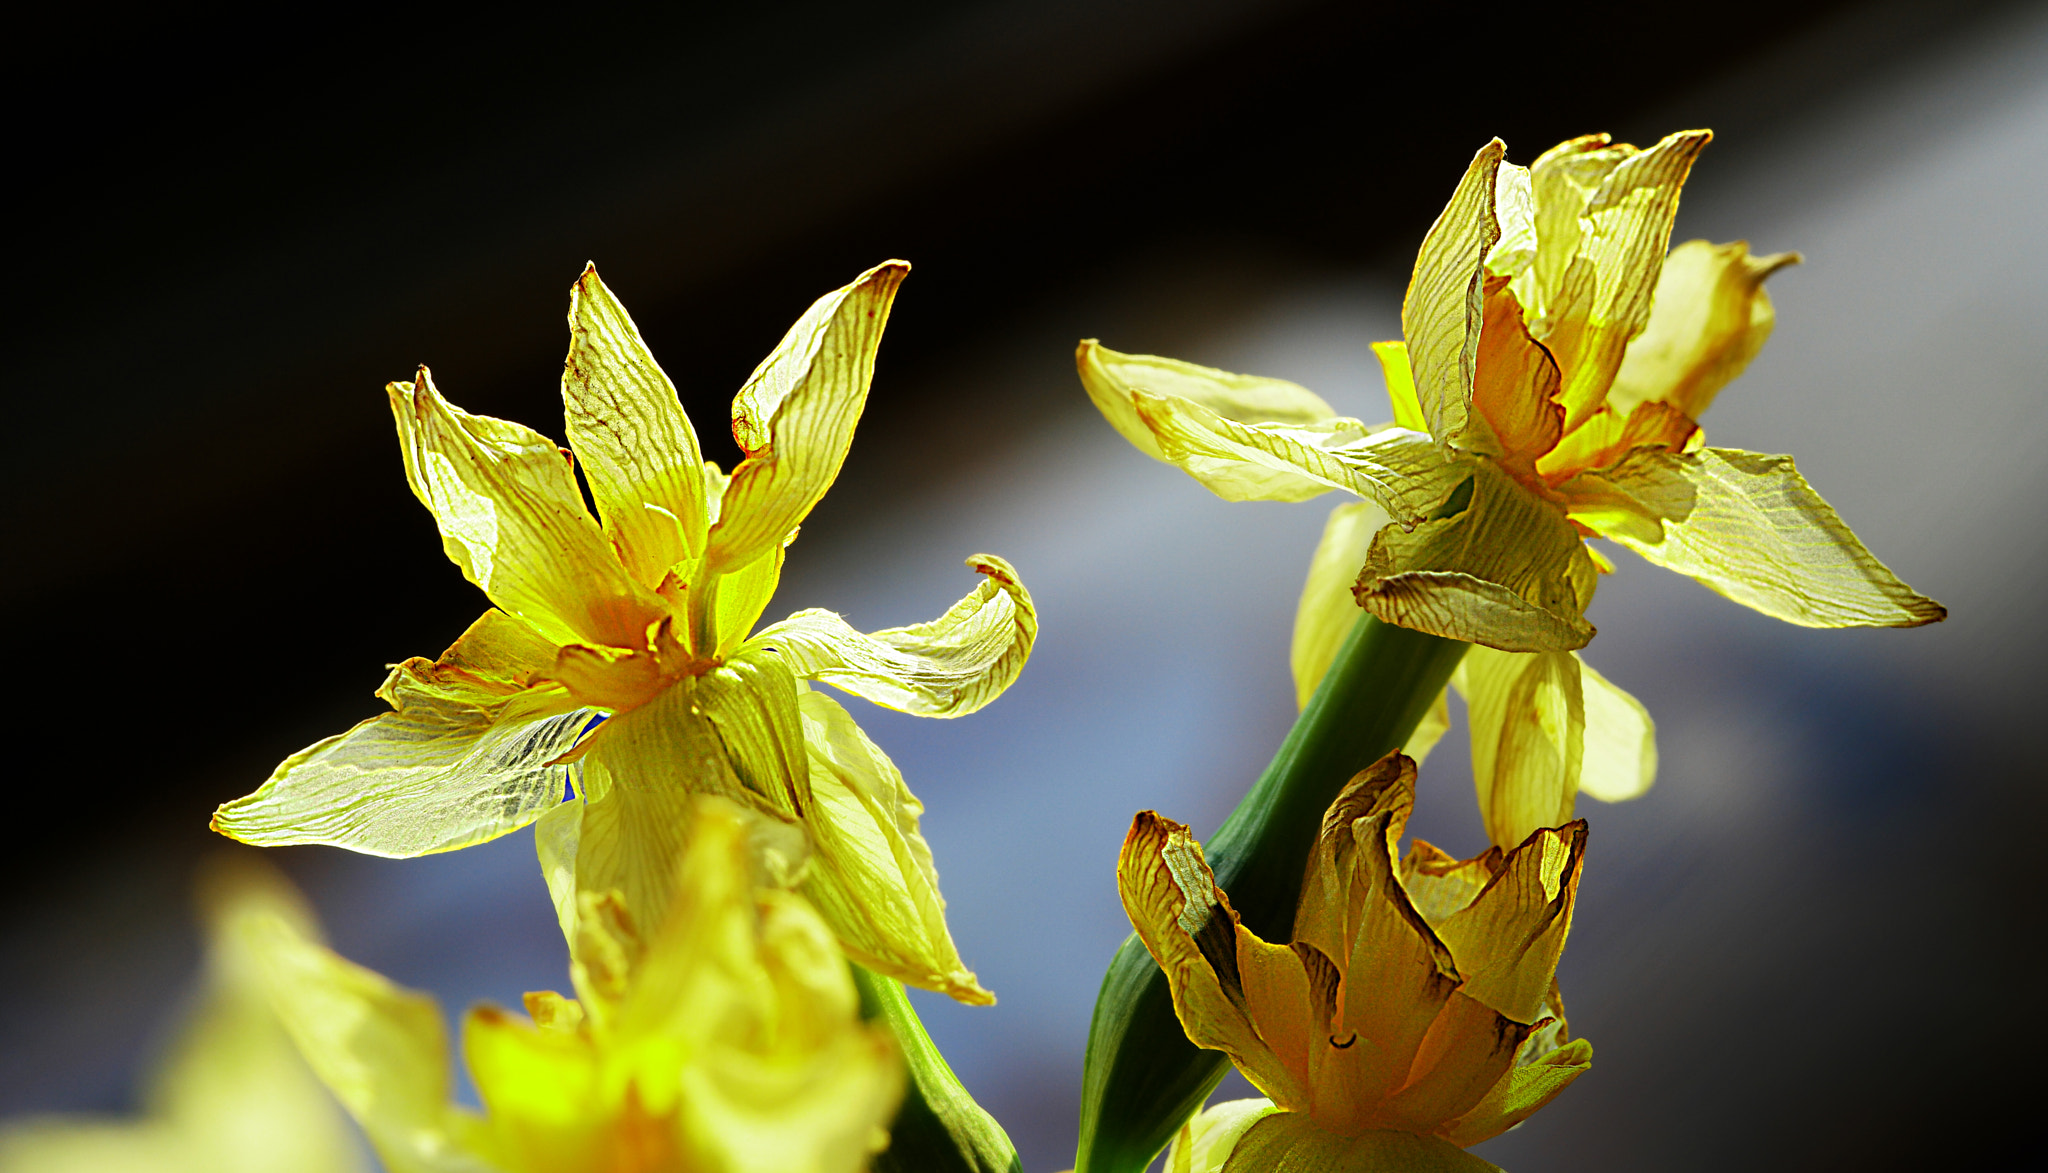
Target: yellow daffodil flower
(640, 619)
(232, 1094)
(1554, 366)
(1416, 1011)
(729, 1039)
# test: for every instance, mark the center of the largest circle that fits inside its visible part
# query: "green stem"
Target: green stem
(940, 1128)
(1143, 1077)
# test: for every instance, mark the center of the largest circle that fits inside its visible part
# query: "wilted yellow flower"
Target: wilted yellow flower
(1416, 1011)
(232, 1095)
(729, 1039)
(1543, 394)
(641, 620)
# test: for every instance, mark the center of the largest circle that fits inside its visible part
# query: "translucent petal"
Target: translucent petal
(512, 518)
(1507, 571)
(1515, 385)
(1204, 1142)
(1508, 940)
(1514, 209)
(871, 873)
(638, 449)
(1400, 381)
(742, 596)
(1443, 309)
(1711, 316)
(1620, 761)
(1469, 1046)
(1610, 434)
(1528, 718)
(1749, 527)
(1111, 377)
(543, 1089)
(1520, 1092)
(1327, 612)
(948, 667)
(795, 416)
(1291, 1141)
(467, 755)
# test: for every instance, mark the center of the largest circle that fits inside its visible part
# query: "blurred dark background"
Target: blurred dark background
(1816, 944)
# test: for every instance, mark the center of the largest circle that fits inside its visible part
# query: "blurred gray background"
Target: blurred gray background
(1815, 944)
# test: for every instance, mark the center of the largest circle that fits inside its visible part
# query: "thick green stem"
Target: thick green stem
(1143, 1077)
(940, 1128)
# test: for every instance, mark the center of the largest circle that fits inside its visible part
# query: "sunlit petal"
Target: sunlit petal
(1290, 1141)
(1528, 718)
(1111, 377)
(1711, 316)
(1443, 310)
(1518, 1094)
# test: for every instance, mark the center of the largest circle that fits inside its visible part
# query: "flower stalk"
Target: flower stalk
(939, 1128)
(1142, 1076)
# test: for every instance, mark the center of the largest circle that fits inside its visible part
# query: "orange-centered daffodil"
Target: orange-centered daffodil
(640, 619)
(1416, 1010)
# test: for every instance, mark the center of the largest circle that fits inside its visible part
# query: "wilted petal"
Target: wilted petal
(638, 449)
(1444, 308)
(1506, 570)
(1292, 1142)
(1528, 718)
(795, 416)
(1620, 761)
(1518, 1094)
(512, 518)
(871, 873)
(1111, 377)
(1469, 1046)
(1749, 527)
(1508, 940)
(468, 754)
(1610, 434)
(1711, 316)
(948, 667)
(1327, 611)
(1516, 385)
(1203, 1144)
(1442, 885)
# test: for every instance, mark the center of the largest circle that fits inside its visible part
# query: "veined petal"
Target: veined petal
(795, 416)
(1111, 377)
(468, 754)
(1403, 471)
(1440, 884)
(1516, 384)
(638, 449)
(1514, 209)
(1710, 317)
(1190, 929)
(380, 1049)
(1750, 528)
(1469, 1046)
(1508, 940)
(1203, 1144)
(1327, 612)
(872, 876)
(742, 596)
(1610, 434)
(1506, 570)
(948, 667)
(1443, 310)
(1518, 1095)
(512, 518)
(1528, 718)
(1292, 1142)
(1620, 761)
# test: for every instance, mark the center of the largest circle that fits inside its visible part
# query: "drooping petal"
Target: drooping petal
(638, 449)
(380, 1049)
(1327, 612)
(948, 667)
(1508, 940)
(795, 416)
(1620, 761)
(1203, 1144)
(1506, 570)
(1750, 528)
(467, 755)
(872, 875)
(1528, 718)
(1292, 1142)
(1521, 1092)
(1403, 471)
(1710, 318)
(1188, 926)
(512, 518)
(1443, 310)
(1110, 378)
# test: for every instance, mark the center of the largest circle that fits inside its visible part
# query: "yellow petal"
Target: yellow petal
(1188, 926)
(1401, 470)
(1292, 1142)
(543, 1091)
(795, 416)
(1443, 310)
(1528, 718)
(1599, 270)
(512, 518)
(638, 449)
(1610, 434)
(1508, 940)
(1514, 209)
(872, 876)
(1468, 1047)
(742, 596)
(1515, 385)
(1506, 570)
(1111, 377)
(1431, 729)
(1327, 611)
(1204, 1142)
(948, 667)
(1400, 381)
(1711, 316)
(467, 755)
(1441, 885)
(1518, 1094)
(1620, 761)
(1749, 527)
